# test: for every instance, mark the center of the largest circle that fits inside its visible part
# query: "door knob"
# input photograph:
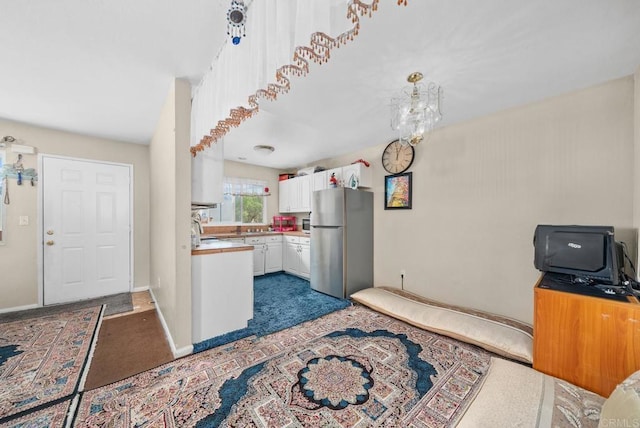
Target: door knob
(50, 243)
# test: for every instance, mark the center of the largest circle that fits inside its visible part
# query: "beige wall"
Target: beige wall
(18, 255)
(270, 175)
(481, 187)
(170, 220)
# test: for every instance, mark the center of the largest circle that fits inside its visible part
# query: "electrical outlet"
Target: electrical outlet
(402, 272)
(23, 220)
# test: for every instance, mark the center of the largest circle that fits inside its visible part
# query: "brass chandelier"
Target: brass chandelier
(416, 111)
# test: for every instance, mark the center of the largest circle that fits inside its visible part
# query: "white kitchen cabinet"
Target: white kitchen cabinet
(290, 256)
(258, 243)
(295, 195)
(304, 194)
(363, 174)
(207, 174)
(305, 258)
(273, 254)
(319, 181)
(284, 195)
(297, 256)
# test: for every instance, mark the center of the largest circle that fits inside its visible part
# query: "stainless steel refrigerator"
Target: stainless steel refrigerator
(341, 241)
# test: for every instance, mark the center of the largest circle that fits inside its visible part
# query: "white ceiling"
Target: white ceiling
(103, 68)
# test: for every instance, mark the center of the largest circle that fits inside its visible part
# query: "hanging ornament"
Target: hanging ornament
(236, 18)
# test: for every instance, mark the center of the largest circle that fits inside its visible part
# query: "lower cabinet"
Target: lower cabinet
(592, 342)
(258, 243)
(273, 254)
(297, 256)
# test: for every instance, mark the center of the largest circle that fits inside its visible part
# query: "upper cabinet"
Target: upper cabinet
(207, 175)
(304, 193)
(295, 193)
(345, 175)
(320, 181)
(286, 190)
(362, 174)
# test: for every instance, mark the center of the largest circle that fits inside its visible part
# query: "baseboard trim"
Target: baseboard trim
(19, 308)
(177, 353)
(138, 289)
(182, 352)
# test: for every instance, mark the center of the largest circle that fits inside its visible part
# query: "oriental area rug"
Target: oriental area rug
(42, 364)
(353, 367)
(50, 416)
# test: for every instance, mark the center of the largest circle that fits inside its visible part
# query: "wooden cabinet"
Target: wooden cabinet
(297, 256)
(589, 341)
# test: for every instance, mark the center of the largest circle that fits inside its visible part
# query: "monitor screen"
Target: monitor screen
(583, 251)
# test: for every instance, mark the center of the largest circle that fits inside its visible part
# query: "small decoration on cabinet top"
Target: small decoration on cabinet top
(397, 191)
(333, 181)
(353, 181)
(397, 157)
(362, 161)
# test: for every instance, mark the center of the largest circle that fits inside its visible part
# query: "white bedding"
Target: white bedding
(512, 395)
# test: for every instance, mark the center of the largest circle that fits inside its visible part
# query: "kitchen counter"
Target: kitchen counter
(215, 247)
(245, 234)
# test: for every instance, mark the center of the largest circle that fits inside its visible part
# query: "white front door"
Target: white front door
(86, 222)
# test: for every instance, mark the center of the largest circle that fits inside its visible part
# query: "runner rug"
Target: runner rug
(353, 367)
(43, 360)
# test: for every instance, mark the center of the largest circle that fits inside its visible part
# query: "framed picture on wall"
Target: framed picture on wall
(397, 191)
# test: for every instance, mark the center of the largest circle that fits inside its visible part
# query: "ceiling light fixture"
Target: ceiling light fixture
(263, 149)
(417, 110)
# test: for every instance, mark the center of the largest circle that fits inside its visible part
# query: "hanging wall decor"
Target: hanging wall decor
(236, 17)
(397, 191)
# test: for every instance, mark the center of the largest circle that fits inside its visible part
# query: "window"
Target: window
(243, 202)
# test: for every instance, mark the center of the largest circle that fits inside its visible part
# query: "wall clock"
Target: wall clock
(397, 158)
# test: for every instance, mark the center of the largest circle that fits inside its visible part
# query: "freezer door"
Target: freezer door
(327, 207)
(327, 269)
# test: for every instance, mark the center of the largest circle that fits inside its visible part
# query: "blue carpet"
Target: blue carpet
(279, 301)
